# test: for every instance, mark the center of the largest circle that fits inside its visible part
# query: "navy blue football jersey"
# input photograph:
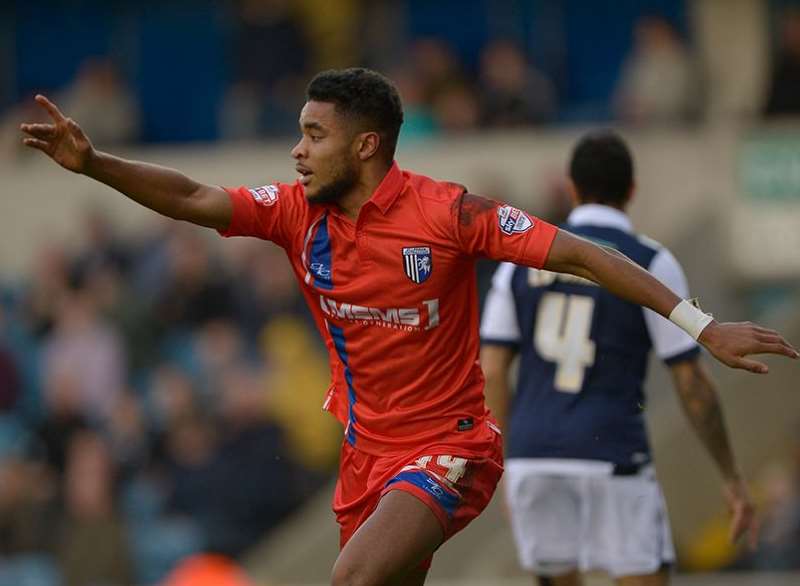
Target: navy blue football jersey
(583, 351)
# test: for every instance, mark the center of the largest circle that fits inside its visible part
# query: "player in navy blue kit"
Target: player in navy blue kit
(580, 483)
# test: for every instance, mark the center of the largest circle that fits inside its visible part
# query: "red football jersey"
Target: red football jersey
(394, 296)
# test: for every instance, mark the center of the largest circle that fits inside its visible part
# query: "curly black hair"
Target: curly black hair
(602, 168)
(365, 95)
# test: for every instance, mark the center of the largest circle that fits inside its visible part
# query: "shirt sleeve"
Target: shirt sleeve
(499, 323)
(671, 343)
(271, 212)
(501, 232)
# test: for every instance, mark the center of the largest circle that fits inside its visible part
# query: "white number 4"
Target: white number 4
(563, 325)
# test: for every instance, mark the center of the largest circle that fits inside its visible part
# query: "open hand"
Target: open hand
(743, 513)
(63, 140)
(732, 343)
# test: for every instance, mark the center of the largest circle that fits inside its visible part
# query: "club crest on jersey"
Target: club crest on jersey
(266, 195)
(513, 220)
(418, 263)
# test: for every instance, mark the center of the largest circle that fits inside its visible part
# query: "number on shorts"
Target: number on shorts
(456, 467)
(561, 335)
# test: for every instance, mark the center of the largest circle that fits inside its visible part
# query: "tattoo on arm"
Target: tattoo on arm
(701, 405)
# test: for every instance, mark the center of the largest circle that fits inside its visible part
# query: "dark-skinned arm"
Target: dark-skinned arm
(164, 190)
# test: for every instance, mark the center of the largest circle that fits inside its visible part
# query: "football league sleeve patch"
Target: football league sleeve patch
(501, 232)
(268, 212)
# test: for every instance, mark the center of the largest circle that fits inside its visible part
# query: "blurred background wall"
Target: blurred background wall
(160, 388)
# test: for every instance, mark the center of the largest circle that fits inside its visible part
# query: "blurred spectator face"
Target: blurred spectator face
(791, 32)
(172, 395)
(88, 477)
(220, 344)
(126, 419)
(243, 397)
(325, 154)
(189, 257)
(63, 393)
(100, 75)
(456, 109)
(655, 34)
(503, 66)
(409, 86)
(12, 483)
(433, 60)
(191, 442)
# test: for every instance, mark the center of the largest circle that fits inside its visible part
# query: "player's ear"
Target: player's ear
(574, 198)
(367, 144)
(631, 194)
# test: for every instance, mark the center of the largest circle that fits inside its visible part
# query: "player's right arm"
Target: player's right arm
(167, 191)
(701, 405)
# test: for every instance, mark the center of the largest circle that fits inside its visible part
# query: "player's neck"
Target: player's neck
(371, 177)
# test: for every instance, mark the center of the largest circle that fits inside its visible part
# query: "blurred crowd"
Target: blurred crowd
(160, 396)
(273, 47)
(160, 392)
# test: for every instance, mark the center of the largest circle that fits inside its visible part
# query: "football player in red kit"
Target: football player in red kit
(385, 259)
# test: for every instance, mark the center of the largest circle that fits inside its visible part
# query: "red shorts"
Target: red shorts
(455, 484)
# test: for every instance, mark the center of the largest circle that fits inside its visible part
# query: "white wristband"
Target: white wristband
(690, 318)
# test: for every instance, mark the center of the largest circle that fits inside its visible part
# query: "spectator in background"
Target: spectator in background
(99, 96)
(659, 85)
(270, 60)
(194, 292)
(26, 507)
(48, 284)
(295, 376)
(265, 286)
(513, 92)
(783, 98)
(435, 66)
(779, 544)
(85, 350)
(64, 417)
(418, 120)
(92, 544)
(455, 108)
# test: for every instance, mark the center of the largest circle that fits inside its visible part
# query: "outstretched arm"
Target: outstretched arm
(164, 190)
(699, 398)
(730, 343)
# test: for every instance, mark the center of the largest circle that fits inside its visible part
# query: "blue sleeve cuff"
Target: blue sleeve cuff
(497, 342)
(690, 354)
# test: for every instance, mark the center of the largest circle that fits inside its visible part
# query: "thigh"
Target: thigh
(391, 544)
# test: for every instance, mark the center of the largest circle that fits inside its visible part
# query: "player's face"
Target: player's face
(326, 159)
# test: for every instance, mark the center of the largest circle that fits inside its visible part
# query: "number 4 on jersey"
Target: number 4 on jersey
(561, 335)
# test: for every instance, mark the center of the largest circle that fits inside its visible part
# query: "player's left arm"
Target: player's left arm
(731, 343)
(700, 402)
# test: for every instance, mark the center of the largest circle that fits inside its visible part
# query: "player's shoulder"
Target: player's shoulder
(433, 190)
(435, 203)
